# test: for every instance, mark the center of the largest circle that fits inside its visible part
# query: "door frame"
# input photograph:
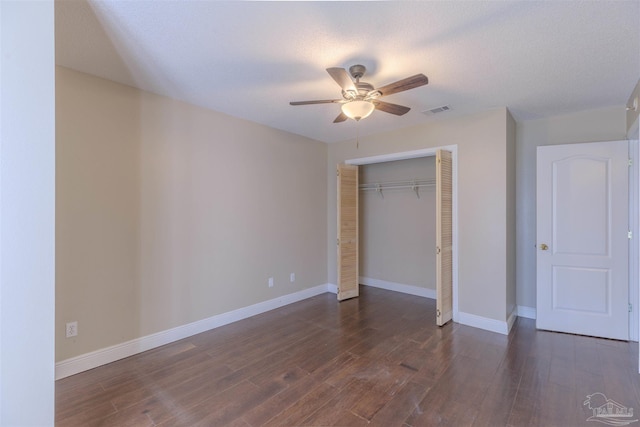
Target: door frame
(634, 226)
(429, 152)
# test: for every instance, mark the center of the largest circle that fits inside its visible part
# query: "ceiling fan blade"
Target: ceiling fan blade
(341, 118)
(343, 78)
(320, 101)
(388, 107)
(404, 84)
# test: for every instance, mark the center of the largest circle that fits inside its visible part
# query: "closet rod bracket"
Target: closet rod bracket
(415, 187)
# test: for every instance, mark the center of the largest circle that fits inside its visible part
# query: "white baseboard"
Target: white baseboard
(527, 312)
(332, 288)
(103, 356)
(497, 325)
(485, 323)
(399, 287)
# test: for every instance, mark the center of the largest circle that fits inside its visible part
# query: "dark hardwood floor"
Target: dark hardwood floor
(376, 360)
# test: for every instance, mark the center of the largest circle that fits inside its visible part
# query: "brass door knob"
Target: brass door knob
(544, 247)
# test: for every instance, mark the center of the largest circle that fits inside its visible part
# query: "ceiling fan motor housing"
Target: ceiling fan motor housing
(364, 90)
(357, 71)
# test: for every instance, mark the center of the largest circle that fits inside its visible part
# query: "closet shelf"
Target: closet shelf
(414, 185)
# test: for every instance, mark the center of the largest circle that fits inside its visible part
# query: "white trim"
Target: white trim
(454, 231)
(424, 153)
(634, 214)
(485, 323)
(633, 135)
(332, 288)
(399, 287)
(527, 312)
(103, 356)
(634, 283)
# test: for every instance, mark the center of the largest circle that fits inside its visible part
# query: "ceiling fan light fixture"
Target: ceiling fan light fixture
(358, 109)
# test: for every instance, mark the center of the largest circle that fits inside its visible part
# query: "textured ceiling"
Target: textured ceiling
(249, 59)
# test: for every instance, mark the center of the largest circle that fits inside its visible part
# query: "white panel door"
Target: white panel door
(582, 241)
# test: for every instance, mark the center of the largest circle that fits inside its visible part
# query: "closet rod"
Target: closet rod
(398, 184)
(389, 185)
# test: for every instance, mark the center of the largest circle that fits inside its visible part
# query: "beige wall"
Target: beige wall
(482, 200)
(398, 231)
(606, 124)
(168, 213)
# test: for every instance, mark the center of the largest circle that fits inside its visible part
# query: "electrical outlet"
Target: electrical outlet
(72, 329)
(271, 282)
(292, 277)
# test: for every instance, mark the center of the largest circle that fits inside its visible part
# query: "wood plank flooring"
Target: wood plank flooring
(377, 360)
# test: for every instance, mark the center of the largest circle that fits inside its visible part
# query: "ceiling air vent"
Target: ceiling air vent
(437, 110)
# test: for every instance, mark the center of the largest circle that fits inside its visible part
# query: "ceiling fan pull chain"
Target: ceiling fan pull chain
(358, 134)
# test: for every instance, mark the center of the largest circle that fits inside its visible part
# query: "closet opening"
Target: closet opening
(397, 226)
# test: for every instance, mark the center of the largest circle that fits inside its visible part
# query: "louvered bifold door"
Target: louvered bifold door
(347, 231)
(444, 237)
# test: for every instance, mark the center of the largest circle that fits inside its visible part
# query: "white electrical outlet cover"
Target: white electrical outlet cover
(71, 329)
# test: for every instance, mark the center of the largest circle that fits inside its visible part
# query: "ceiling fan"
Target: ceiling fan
(359, 99)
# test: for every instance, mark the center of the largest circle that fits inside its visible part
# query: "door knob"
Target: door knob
(544, 247)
